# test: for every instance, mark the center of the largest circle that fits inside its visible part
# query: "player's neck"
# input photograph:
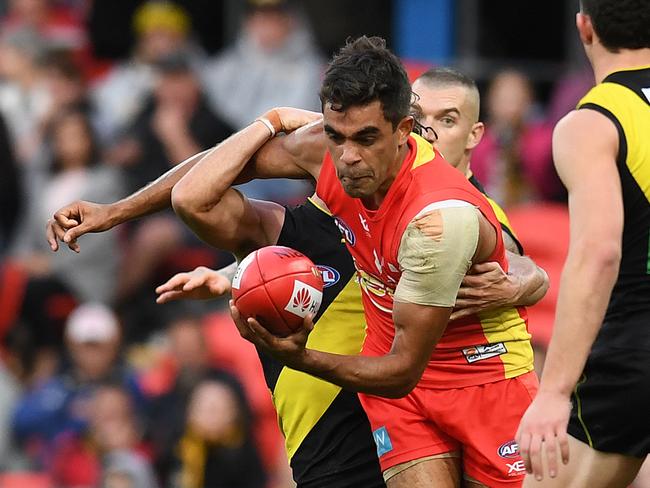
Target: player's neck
(464, 168)
(606, 63)
(374, 201)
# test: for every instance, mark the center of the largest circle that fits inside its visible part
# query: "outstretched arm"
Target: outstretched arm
(585, 147)
(291, 156)
(81, 217)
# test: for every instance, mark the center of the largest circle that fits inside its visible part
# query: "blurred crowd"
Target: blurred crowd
(99, 386)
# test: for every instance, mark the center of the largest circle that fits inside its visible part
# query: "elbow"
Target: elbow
(606, 256)
(400, 384)
(185, 202)
(399, 390)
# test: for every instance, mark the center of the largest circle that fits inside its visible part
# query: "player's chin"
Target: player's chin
(356, 190)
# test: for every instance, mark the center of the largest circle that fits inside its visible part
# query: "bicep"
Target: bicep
(298, 155)
(435, 254)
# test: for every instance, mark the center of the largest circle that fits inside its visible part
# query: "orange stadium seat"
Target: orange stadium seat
(543, 229)
(25, 480)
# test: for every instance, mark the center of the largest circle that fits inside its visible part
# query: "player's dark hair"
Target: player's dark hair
(363, 71)
(620, 24)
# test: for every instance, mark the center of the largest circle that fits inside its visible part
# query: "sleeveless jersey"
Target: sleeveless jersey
(624, 98)
(476, 350)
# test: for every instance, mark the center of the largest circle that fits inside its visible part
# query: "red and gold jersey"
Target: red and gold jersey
(480, 349)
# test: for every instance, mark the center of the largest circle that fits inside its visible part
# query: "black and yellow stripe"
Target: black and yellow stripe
(327, 435)
(624, 98)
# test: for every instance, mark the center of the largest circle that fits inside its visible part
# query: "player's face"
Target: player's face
(452, 113)
(364, 147)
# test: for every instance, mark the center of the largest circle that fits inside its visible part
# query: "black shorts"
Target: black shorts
(611, 403)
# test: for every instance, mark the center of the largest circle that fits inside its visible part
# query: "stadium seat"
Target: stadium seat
(543, 229)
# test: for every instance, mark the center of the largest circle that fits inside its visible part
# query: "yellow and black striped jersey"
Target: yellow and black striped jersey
(327, 434)
(624, 98)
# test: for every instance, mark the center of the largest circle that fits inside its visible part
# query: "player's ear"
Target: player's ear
(585, 28)
(404, 128)
(475, 135)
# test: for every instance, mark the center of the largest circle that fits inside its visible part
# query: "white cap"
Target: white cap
(92, 322)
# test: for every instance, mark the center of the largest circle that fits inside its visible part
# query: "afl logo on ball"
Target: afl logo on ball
(330, 276)
(345, 230)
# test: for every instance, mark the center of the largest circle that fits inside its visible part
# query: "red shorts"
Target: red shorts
(479, 422)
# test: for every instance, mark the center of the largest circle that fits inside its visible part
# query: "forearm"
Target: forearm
(202, 188)
(587, 281)
(382, 376)
(533, 280)
(156, 195)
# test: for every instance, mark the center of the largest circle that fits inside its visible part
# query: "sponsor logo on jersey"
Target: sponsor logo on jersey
(382, 439)
(330, 276)
(304, 299)
(346, 231)
(509, 449)
(236, 280)
(486, 351)
(517, 468)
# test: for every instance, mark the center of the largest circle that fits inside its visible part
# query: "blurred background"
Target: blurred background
(99, 386)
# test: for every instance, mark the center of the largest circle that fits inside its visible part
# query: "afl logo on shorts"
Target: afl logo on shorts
(346, 231)
(330, 276)
(508, 450)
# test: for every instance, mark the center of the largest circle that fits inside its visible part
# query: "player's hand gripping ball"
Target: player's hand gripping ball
(278, 286)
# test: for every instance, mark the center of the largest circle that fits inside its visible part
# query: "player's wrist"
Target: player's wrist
(120, 212)
(272, 121)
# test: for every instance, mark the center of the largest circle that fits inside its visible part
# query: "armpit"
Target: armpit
(435, 253)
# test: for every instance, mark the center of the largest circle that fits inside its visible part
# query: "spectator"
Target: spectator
(217, 449)
(189, 365)
(162, 28)
(175, 124)
(273, 63)
(76, 173)
(115, 432)
(58, 26)
(51, 413)
(33, 312)
(23, 99)
(514, 159)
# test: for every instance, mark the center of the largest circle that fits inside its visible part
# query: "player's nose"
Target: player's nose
(350, 156)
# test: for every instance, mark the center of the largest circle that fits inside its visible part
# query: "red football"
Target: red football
(278, 286)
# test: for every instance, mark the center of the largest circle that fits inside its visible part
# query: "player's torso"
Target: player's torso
(325, 428)
(474, 346)
(624, 97)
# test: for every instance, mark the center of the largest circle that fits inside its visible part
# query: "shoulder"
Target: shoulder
(585, 129)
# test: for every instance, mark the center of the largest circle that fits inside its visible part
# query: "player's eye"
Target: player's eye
(448, 121)
(367, 141)
(335, 138)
